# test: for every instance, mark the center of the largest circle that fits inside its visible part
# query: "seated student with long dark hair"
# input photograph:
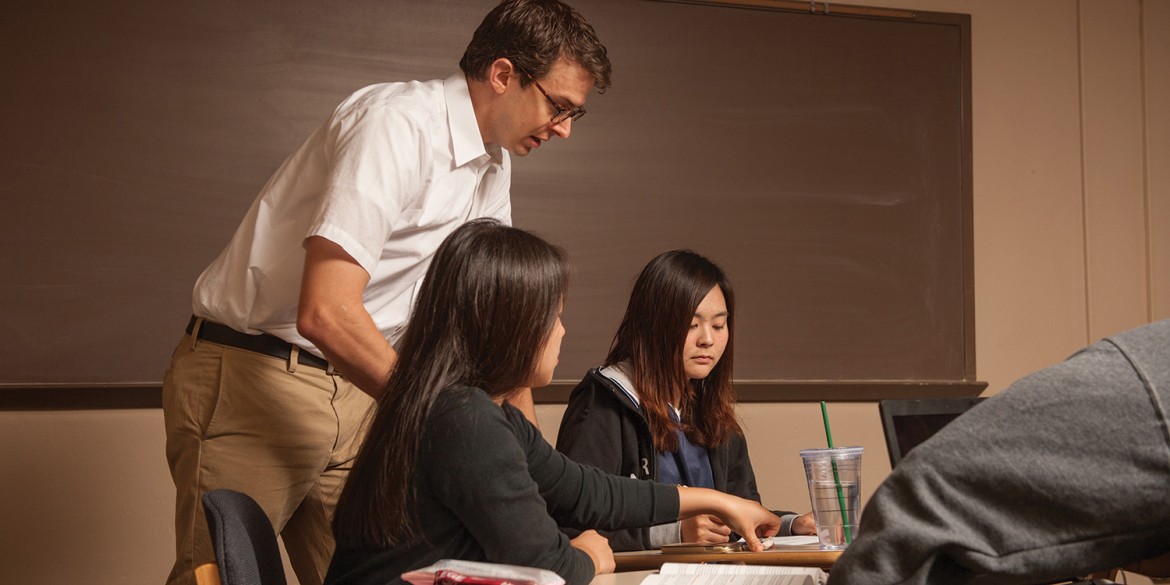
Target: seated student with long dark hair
(663, 407)
(449, 470)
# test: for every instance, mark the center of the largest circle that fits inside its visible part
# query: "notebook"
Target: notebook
(907, 423)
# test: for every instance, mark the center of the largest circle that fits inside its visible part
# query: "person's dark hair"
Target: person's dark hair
(651, 338)
(486, 307)
(533, 34)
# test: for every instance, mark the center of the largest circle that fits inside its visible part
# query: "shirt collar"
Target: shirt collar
(617, 374)
(466, 141)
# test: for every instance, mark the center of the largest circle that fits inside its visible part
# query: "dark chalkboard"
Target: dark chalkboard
(823, 160)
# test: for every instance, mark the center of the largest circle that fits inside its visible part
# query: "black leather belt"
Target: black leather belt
(263, 343)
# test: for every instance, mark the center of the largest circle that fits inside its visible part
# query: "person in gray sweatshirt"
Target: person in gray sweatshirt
(1065, 473)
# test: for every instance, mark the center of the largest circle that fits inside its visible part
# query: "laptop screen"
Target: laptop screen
(907, 423)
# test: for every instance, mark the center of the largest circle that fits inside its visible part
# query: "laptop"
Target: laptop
(907, 423)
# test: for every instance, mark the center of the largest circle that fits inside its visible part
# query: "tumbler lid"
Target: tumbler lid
(835, 453)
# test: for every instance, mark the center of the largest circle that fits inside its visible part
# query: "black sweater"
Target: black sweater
(491, 489)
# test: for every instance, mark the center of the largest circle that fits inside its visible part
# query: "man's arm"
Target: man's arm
(332, 316)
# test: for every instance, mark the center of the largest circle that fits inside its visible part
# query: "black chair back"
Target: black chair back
(243, 538)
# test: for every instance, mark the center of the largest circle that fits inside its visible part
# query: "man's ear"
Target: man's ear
(501, 74)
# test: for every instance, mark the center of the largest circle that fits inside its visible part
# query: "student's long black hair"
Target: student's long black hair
(489, 301)
(651, 338)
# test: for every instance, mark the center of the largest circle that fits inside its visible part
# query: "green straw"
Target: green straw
(836, 476)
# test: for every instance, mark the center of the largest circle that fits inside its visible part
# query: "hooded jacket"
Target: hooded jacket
(604, 426)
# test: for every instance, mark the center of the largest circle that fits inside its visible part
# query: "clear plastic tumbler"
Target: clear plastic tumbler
(834, 489)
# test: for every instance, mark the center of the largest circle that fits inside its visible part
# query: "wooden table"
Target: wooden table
(794, 556)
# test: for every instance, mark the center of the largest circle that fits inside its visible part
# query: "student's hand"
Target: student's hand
(744, 516)
(750, 520)
(705, 529)
(805, 524)
(597, 547)
(747, 517)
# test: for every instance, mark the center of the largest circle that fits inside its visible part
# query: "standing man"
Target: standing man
(295, 322)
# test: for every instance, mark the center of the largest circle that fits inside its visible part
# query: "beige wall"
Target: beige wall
(1072, 203)
(1072, 200)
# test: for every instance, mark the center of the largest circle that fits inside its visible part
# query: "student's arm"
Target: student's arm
(332, 316)
(740, 480)
(747, 517)
(597, 547)
(586, 497)
(473, 464)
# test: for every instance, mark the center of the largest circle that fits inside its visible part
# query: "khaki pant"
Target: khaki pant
(285, 434)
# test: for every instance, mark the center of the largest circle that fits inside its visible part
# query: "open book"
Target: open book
(714, 574)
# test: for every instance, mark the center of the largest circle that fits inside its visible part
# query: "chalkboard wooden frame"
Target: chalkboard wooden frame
(129, 113)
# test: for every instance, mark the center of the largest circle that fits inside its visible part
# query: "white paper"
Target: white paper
(716, 574)
(780, 541)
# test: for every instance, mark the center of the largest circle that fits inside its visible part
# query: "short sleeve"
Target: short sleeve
(376, 157)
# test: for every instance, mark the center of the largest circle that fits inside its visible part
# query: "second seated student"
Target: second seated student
(450, 470)
(663, 407)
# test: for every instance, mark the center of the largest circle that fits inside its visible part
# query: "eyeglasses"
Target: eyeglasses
(560, 114)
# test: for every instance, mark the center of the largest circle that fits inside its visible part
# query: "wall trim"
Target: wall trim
(42, 397)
